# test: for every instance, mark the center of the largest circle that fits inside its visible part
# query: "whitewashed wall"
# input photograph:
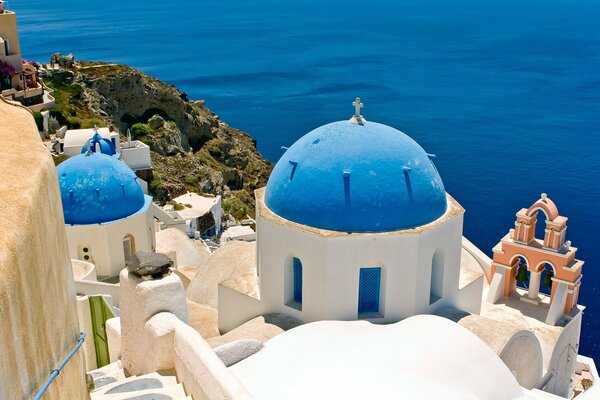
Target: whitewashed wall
(331, 272)
(105, 241)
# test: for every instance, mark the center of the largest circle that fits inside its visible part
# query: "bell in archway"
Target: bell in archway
(522, 275)
(547, 281)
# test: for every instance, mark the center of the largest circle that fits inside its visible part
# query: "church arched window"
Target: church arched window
(128, 247)
(297, 280)
(293, 283)
(436, 286)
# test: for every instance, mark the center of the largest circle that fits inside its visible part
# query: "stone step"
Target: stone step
(136, 383)
(107, 375)
(167, 393)
(115, 366)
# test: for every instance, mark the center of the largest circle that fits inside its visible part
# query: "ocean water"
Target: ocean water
(506, 93)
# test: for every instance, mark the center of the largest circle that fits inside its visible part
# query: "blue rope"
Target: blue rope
(54, 373)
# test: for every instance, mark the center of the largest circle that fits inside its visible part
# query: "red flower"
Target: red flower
(7, 69)
(32, 63)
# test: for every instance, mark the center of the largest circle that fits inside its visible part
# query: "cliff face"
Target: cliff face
(191, 148)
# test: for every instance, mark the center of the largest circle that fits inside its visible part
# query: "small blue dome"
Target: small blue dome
(98, 188)
(356, 178)
(96, 143)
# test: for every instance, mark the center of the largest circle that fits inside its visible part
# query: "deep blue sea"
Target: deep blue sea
(506, 93)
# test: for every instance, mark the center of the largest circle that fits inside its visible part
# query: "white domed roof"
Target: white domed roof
(422, 357)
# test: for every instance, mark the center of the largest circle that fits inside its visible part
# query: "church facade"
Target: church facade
(355, 223)
(107, 216)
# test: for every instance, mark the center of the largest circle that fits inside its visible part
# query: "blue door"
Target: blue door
(368, 291)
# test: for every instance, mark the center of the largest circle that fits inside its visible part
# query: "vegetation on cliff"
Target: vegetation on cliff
(191, 149)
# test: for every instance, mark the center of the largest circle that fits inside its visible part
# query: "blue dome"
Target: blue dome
(96, 143)
(98, 188)
(356, 178)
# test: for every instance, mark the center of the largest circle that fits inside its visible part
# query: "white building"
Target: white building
(107, 216)
(76, 139)
(136, 155)
(355, 224)
(202, 214)
(238, 232)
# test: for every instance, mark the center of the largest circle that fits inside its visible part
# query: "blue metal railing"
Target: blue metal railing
(54, 373)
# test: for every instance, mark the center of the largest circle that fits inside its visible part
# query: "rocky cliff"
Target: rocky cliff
(191, 148)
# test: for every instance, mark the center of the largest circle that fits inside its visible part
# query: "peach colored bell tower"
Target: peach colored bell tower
(520, 249)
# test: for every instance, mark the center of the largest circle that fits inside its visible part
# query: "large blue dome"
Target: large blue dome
(356, 178)
(97, 188)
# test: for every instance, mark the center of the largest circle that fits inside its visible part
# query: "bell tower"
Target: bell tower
(520, 257)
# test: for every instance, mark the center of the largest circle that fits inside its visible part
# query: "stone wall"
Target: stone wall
(37, 295)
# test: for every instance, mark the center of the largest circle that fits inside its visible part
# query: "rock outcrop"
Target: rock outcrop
(192, 150)
(147, 263)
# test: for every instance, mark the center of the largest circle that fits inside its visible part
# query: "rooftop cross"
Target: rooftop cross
(357, 106)
(95, 146)
(357, 119)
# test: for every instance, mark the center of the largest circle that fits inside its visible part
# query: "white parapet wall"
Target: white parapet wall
(484, 261)
(203, 374)
(91, 288)
(136, 155)
(85, 322)
(154, 336)
(141, 299)
(113, 336)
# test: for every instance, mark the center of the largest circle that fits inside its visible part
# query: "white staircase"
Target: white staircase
(110, 383)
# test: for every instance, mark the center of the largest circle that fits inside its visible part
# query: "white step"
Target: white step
(136, 383)
(107, 375)
(168, 393)
(109, 367)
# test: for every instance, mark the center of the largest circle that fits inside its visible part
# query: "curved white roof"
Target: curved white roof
(422, 357)
(78, 137)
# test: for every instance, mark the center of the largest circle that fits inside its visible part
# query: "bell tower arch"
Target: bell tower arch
(521, 257)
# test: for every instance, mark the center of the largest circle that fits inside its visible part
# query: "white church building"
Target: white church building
(107, 215)
(355, 223)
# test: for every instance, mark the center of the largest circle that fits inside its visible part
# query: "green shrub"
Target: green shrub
(235, 207)
(140, 130)
(176, 206)
(85, 123)
(155, 183)
(39, 120)
(59, 117)
(157, 189)
(74, 123)
(191, 180)
(147, 141)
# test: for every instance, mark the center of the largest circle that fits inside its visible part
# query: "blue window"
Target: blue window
(368, 291)
(297, 281)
